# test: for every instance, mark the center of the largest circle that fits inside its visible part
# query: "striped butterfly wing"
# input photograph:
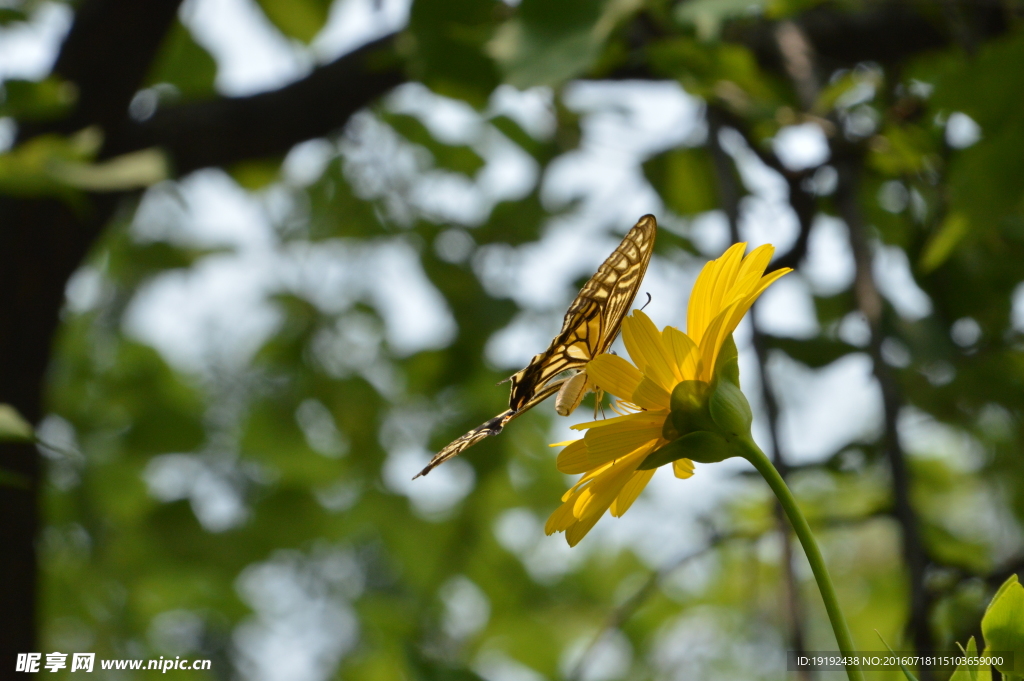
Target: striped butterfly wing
(484, 430)
(594, 317)
(589, 328)
(457, 446)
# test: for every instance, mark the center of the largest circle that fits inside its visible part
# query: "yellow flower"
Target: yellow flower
(612, 449)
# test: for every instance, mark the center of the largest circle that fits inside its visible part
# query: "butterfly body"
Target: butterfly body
(590, 326)
(571, 393)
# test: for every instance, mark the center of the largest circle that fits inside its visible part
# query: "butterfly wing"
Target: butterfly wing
(457, 446)
(484, 430)
(589, 328)
(594, 317)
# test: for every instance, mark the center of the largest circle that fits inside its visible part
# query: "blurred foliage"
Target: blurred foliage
(185, 66)
(200, 512)
(301, 19)
(63, 167)
(34, 101)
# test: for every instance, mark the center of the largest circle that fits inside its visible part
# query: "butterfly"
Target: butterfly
(590, 326)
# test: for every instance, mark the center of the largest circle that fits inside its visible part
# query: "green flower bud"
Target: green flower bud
(730, 410)
(706, 420)
(690, 410)
(702, 446)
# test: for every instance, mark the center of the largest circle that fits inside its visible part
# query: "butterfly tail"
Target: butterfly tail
(456, 447)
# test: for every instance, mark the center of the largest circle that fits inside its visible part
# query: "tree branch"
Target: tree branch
(849, 167)
(107, 54)
(227, 130)
(887, 32)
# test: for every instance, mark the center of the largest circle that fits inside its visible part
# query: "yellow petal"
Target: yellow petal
(728, 267)
(639, 421)
(561, 520)
(651, 396)
(615, 419)
(579, 529)
(716, 276)
(587, 479)
(605, 444)
(573, 459)
(614, 374)
(684, 352)
(752, 268)
(648, 340)
(683, 468)
(630, 492)
(632, 348)
(697, 309)
(768, 279)
(711, 343)
(598, 496)
(727, 321)
(581, 484)
(745, 301)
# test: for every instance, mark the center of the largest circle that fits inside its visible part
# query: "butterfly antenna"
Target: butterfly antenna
(648, 301)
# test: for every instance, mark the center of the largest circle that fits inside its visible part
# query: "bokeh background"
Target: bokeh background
(259, 259)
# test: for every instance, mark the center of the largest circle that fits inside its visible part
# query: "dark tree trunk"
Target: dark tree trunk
(42, 241)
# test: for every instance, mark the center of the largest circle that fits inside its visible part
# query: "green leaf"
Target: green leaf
(702, 446)
(134, 170)
(301, 19)
(460, 158)
(27, 169)
(707, 16)
(336, 211)
(185, 64)
(445, 48)
(54, 165)
(906, 672)
(256, 174)
(902, 150)
(42, 100)
(954, 228)
(831, 93)
(549, 43)
(967, 672)
(684, 178)
(1003, 623)
(13, 426)
(10, 15)
(983, 180)
(724, 71)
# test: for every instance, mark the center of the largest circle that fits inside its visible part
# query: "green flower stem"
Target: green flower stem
(753, 454)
